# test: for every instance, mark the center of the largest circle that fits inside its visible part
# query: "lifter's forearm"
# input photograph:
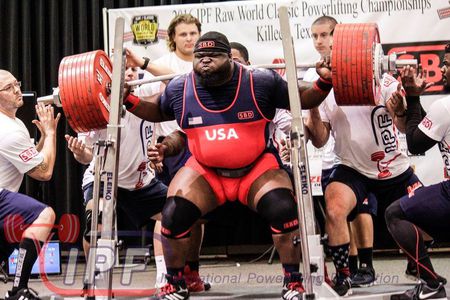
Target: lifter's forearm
(147, 110)
(174, 143)
(311, 96)
(318, 132)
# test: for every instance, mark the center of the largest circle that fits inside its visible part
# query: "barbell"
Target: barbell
(68, 228)
(357, 66)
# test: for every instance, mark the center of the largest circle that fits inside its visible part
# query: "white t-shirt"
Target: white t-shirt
(365, 136)
(18, 155)
(172, 61)
(436, 125)
(179, 66)
(329, 159)
(280, 126)
(134, 169)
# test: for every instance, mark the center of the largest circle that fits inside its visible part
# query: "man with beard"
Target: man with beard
(225, 109)
(182, 34)
(429, 207)
(18, 156)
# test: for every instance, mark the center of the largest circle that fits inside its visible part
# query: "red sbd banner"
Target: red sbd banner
(429, 55)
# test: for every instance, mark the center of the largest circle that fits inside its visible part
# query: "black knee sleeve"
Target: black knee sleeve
(393, 214)
(279, 208)
(87, 228)
(178, 216)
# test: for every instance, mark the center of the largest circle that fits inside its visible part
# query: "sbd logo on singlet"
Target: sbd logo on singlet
(221, 134)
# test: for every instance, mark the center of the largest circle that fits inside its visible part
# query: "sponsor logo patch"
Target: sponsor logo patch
(245, 115)
(206, 44)
(427, 123)
(28, 154)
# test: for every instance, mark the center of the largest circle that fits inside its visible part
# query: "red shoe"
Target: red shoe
(193, 281)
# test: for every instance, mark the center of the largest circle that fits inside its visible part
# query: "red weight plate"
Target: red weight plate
(82, 96)
(67, 102)
(368, 58)
(86, 69)
(342, 66)
(61, 85)
(358, 69)
(356, 80)
(336, 62)
(348, 59)
(357, 50)
(370, 42)
(103, 66)
(69, 228)
(77, 101)
(90, 98)
(350, 62)
(87, 113)
(375, 87)
(343, 91)
(364, 70)
(94, 87)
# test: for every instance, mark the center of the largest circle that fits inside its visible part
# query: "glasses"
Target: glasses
(12, 86)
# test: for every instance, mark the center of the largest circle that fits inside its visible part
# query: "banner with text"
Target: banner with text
(419, 27)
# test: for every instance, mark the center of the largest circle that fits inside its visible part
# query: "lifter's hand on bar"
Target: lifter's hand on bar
(323, 68)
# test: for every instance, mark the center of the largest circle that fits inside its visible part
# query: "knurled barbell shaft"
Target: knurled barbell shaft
(171, 76)
(399, 63)
(50, 99)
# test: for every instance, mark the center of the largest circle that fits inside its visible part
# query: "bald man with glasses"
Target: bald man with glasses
(19, 156)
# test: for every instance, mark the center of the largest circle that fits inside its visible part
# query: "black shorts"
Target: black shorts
(385, 191)
(429, 208)
(12, 203)
(139, 205)
(367, 206)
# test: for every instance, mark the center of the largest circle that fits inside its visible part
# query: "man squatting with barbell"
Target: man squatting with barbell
(19, 156)
(207, 104)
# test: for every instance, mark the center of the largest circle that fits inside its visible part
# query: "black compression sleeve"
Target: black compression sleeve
(418, 142)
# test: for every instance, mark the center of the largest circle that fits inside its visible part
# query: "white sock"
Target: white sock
(161, 271)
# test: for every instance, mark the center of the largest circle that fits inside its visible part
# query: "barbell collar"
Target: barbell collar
(51, 99)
